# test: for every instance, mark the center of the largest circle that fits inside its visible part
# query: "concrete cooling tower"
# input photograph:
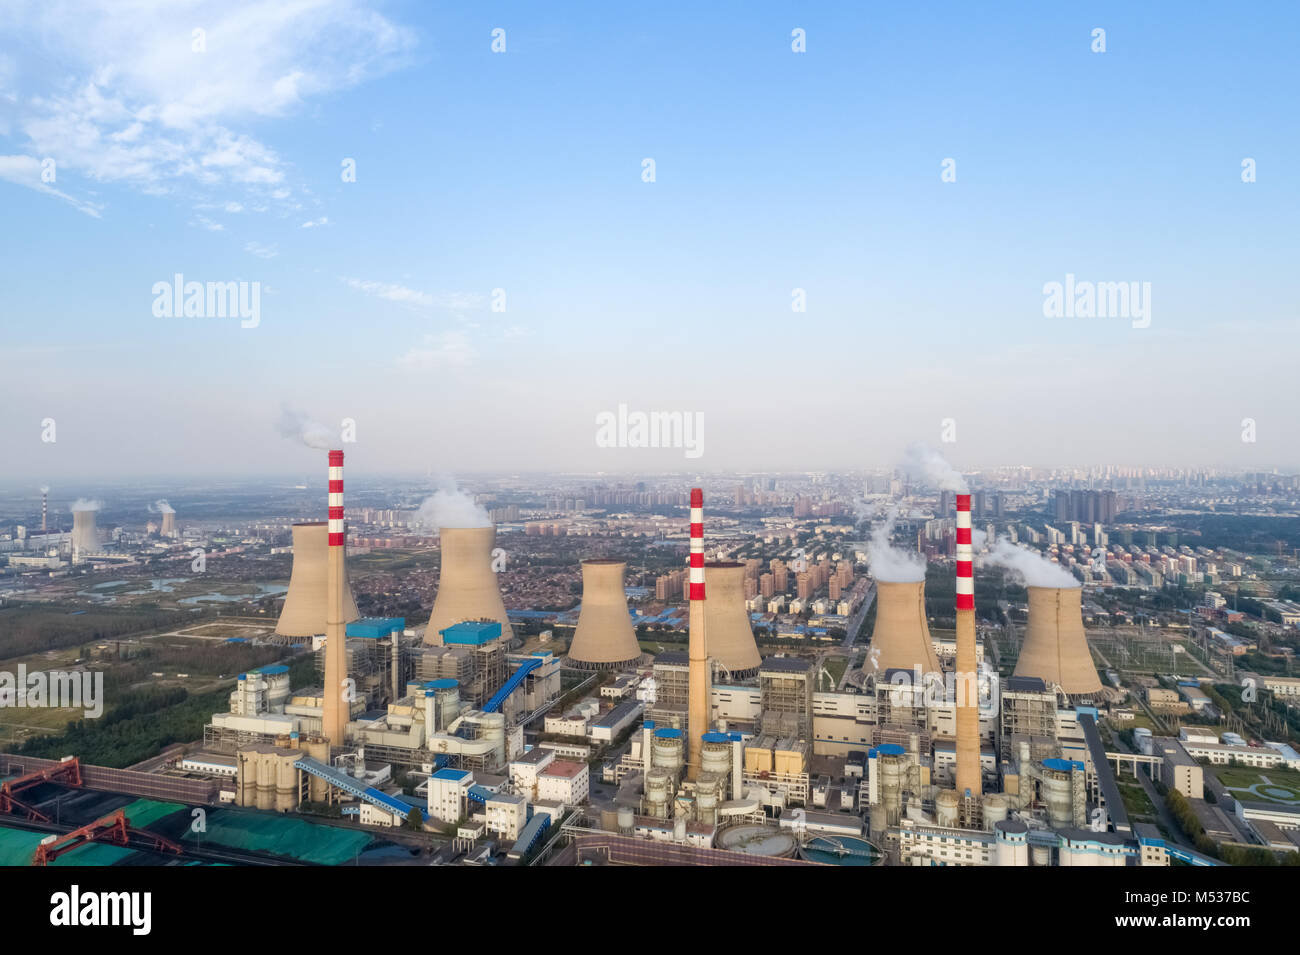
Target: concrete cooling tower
(731, 641)
(1055, 648)
(303, 613)
(604, 638)
(467, 588)
(84, 538)
(901, 638)
(168, 524)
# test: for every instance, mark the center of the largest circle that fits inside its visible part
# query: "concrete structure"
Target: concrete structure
(303, 612)
(564, 782)
(731, 640)
(448, 793)
(1055, 647)
(697, 718)
(1178, 770)
(85, 539)
(336, 706)
(901, 637)
(506, 815)
(968, 775)
(467, 586)
(168, 528)
(604, 638)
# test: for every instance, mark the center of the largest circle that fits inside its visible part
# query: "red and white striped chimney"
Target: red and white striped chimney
(969, 780)
(337, 700)
(336, 499)
(697, 713)
(965, 556)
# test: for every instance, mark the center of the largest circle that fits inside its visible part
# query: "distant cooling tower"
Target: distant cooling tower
(168, 524)
(901, 638)
(467, 588)
(1055, 648)
(303, 614)
(731, 641)
(605, 638)
(84, 538)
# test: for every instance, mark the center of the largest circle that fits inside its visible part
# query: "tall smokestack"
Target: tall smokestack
(604, 638)
(1055, 647)
(467, 584)
(697, 713)
(336, 708)
(45, 494)
(967, 678)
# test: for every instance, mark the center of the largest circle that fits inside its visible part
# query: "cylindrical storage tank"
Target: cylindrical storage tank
(679, 830)
(656, 793)
(446, 702)
(286, 786)
(1011, 842)
(715, 754)
(945, 808)
(995, 809)
(626, 819)
(892, 763)
(706, 797)
(1042, 855)
(265, 783)
(608, 819)
(666, 750)
(494, 729)
(1142, 737)
(1054, 787)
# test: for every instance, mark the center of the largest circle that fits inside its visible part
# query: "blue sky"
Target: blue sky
(522, 171)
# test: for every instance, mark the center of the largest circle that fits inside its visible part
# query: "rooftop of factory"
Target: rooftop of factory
(534, 755)
(786, 665)
(454, 775)
(374, 628)
(1025, 684)
(673, 658)
(619, 713)
(471, 633)
(564, 768)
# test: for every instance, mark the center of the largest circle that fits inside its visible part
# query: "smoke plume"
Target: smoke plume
(887, 562)
(924, 463)
(296, 426)
(1027, 567)
(449, 506)
(85, 504)
(162, 507)
(45, 489)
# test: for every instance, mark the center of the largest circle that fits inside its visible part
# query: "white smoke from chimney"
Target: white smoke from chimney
(45, 489)
(449, 506)
(924, 463)
(1027, 567)
(888, 563)
(85, 504)
(296, 426)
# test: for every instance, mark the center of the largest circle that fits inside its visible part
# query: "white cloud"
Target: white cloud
(449, 349)
(131, 101)
(314, 223)
(261, 251)
(26, 171)
(203, 222)
(410, 296)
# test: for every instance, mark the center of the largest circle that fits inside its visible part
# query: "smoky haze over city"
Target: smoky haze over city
(567, 436)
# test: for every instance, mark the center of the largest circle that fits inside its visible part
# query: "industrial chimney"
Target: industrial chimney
(969, 779)
(303, 613)
(901, 636)
(84, 539)
(45, 494)
(336, 699)
(697, 705)
(1055, 648)
(731, 640)
(605, 638)
(467, 588)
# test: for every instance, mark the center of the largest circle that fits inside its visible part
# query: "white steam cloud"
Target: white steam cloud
(45, 489)
(449, 506)
(162, 507)
(887, 562)
(86, 504)
(296, 426)
(924, 463)
(1027, 567)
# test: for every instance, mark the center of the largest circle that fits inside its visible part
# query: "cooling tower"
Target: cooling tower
(901, 637)
(467, 588)
(1055, 648)
(604, 638)
(168, 524)
(303, 613)
(731, 641)
(84, 539)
